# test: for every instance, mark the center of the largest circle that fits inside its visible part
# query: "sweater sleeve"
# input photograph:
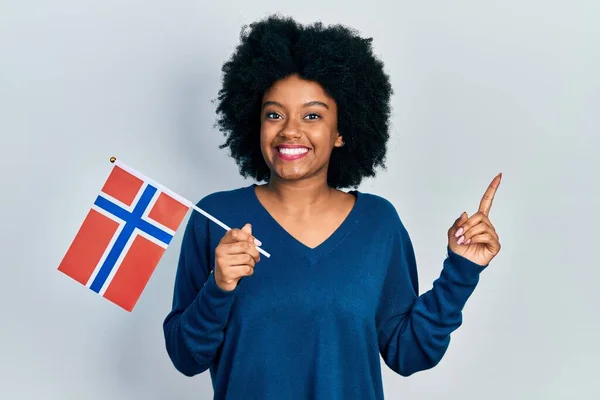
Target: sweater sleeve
(414, 331)
(194, 328)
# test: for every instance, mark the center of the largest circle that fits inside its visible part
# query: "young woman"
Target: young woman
(306, 112)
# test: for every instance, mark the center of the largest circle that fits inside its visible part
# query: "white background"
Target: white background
(480, 87)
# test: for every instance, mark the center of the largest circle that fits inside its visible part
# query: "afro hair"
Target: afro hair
(339, 60)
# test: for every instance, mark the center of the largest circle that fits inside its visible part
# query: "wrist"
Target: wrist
(224, 285)
(462, 270)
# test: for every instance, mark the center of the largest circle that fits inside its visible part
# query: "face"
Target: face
(298, 129)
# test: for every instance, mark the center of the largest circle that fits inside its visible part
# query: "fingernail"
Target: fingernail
(468, 241)
(257, 242)
(459, 232)
(460, 240)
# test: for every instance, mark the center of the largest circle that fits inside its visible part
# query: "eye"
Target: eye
(313, 116)
(272, 115)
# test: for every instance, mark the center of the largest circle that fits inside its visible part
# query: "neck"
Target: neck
(301, 197)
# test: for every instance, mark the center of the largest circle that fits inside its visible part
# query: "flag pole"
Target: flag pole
(189, 203)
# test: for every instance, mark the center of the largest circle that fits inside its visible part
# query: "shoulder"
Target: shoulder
(378, 205)
(381, 211)
(224, 198)
(223, 205)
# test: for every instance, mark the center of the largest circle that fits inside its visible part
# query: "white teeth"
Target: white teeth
(293, 152)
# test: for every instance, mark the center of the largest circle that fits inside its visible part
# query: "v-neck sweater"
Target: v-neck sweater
(311, 323)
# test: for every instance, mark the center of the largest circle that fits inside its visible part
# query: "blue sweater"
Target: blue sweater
(311, 323)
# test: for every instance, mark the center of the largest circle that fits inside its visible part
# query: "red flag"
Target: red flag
(124, 236)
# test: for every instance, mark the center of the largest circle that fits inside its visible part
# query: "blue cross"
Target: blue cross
(132, 220)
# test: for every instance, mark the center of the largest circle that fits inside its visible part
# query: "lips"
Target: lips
(291, 152)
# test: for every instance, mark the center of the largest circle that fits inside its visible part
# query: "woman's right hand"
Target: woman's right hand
(235, 257)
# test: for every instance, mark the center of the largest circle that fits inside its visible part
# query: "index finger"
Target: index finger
(235, 235)
(488, 197)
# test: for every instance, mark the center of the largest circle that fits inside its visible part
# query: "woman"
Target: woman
(306, 110)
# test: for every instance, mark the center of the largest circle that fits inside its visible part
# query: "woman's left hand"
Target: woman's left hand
(475, 238)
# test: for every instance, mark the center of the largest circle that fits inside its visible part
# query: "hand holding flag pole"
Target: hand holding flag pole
(125, 234)
(189, 203)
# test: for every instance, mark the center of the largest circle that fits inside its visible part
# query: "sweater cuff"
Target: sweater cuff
(461, 269)
(212, 306)
(213, 291)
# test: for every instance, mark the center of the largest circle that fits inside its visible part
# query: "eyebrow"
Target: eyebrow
(308, 104)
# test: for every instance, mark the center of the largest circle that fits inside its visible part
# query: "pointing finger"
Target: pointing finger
(488, 197)
(235, 235)
(248, 229)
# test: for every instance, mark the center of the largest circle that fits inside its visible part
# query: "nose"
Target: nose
(291, 130)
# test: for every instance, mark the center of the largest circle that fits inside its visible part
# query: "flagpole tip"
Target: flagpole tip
(113, 159)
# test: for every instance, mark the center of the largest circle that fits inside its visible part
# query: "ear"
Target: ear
(339, 141)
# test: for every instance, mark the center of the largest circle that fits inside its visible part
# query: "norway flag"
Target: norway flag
(124, 236)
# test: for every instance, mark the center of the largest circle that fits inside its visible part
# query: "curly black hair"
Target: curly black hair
(339, 60)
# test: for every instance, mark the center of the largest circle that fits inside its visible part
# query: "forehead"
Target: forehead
(295, 90)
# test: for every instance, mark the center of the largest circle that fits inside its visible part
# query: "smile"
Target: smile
(291, 153)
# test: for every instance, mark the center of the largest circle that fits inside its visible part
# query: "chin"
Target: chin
(290, 175)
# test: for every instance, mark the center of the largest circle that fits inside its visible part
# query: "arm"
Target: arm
(414, 331)
(195, 326)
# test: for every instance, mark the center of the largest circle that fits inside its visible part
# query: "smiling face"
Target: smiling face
(298, 129)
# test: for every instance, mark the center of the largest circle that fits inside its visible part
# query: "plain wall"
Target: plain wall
(480, 87)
